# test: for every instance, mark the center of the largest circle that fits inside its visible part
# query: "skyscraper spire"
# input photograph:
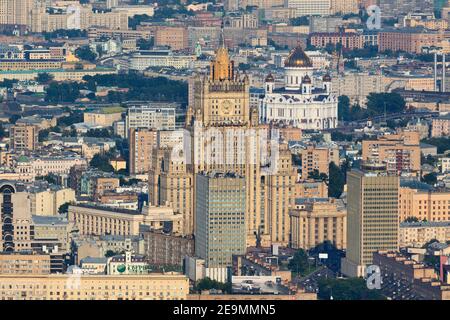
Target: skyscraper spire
(221, 36)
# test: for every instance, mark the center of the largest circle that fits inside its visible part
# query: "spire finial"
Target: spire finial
(221, 38)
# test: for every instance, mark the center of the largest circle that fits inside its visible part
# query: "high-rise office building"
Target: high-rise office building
(372, 218)
(220, 218)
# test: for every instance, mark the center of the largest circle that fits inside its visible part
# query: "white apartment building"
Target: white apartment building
(160, 116)
(145, 59)
(357, 86)
(310, 7)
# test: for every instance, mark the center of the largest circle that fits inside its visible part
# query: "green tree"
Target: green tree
(336, 182)
(136, 20)
(110, 253)
(74, 117)
(50, 178)
(316, 175)
(43, 135)
(44, 77)
(101, 162)
(144, 44)
(208, 284)
(2, 131)
(86, 53)
(13, 119)
(394, 103)
(411, 219)
(143, 88)
(347, 289)
(98, 133)
(344, 108)
(300, 21)
(430, 178)
(442, 143)
(62, 92)
(299, 262)
(64, 208)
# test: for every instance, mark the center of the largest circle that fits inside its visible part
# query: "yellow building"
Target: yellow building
(41, 20)
(314, 221)
(47, 202)
(24, 137)
(141, 142)
(418, 200)
(103, 118)
(318, 158)
(372, 218)
(58, 74)
(18, 263)
(97, 220)
(400, 152)
(94, 287)
(417, 234)
(311, 189)
(20, 65)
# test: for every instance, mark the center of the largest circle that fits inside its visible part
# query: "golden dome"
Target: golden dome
(298, 59)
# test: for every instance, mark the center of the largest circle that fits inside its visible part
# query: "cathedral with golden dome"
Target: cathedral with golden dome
(300, 103)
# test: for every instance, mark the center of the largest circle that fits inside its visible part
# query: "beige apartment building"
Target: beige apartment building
(19, 65)
(316, 221)
(141, 142)
(43, 21)
(47, 202)
(400, 152)
(58, 74)
(174, 37)
(102, 118)
(409, 40)
(417, 234)
(24, 137)
(358, 85)
(440, 127)
(176, 186)
(15, 234)
(21, 263)
(345, 6)
(318, 158)
(372, 218)
(94, 287)
(97, 220)
(423, 204)
(105, 184)
(311, 189)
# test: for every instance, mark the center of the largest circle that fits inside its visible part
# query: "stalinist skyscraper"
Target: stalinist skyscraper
(224, 136)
